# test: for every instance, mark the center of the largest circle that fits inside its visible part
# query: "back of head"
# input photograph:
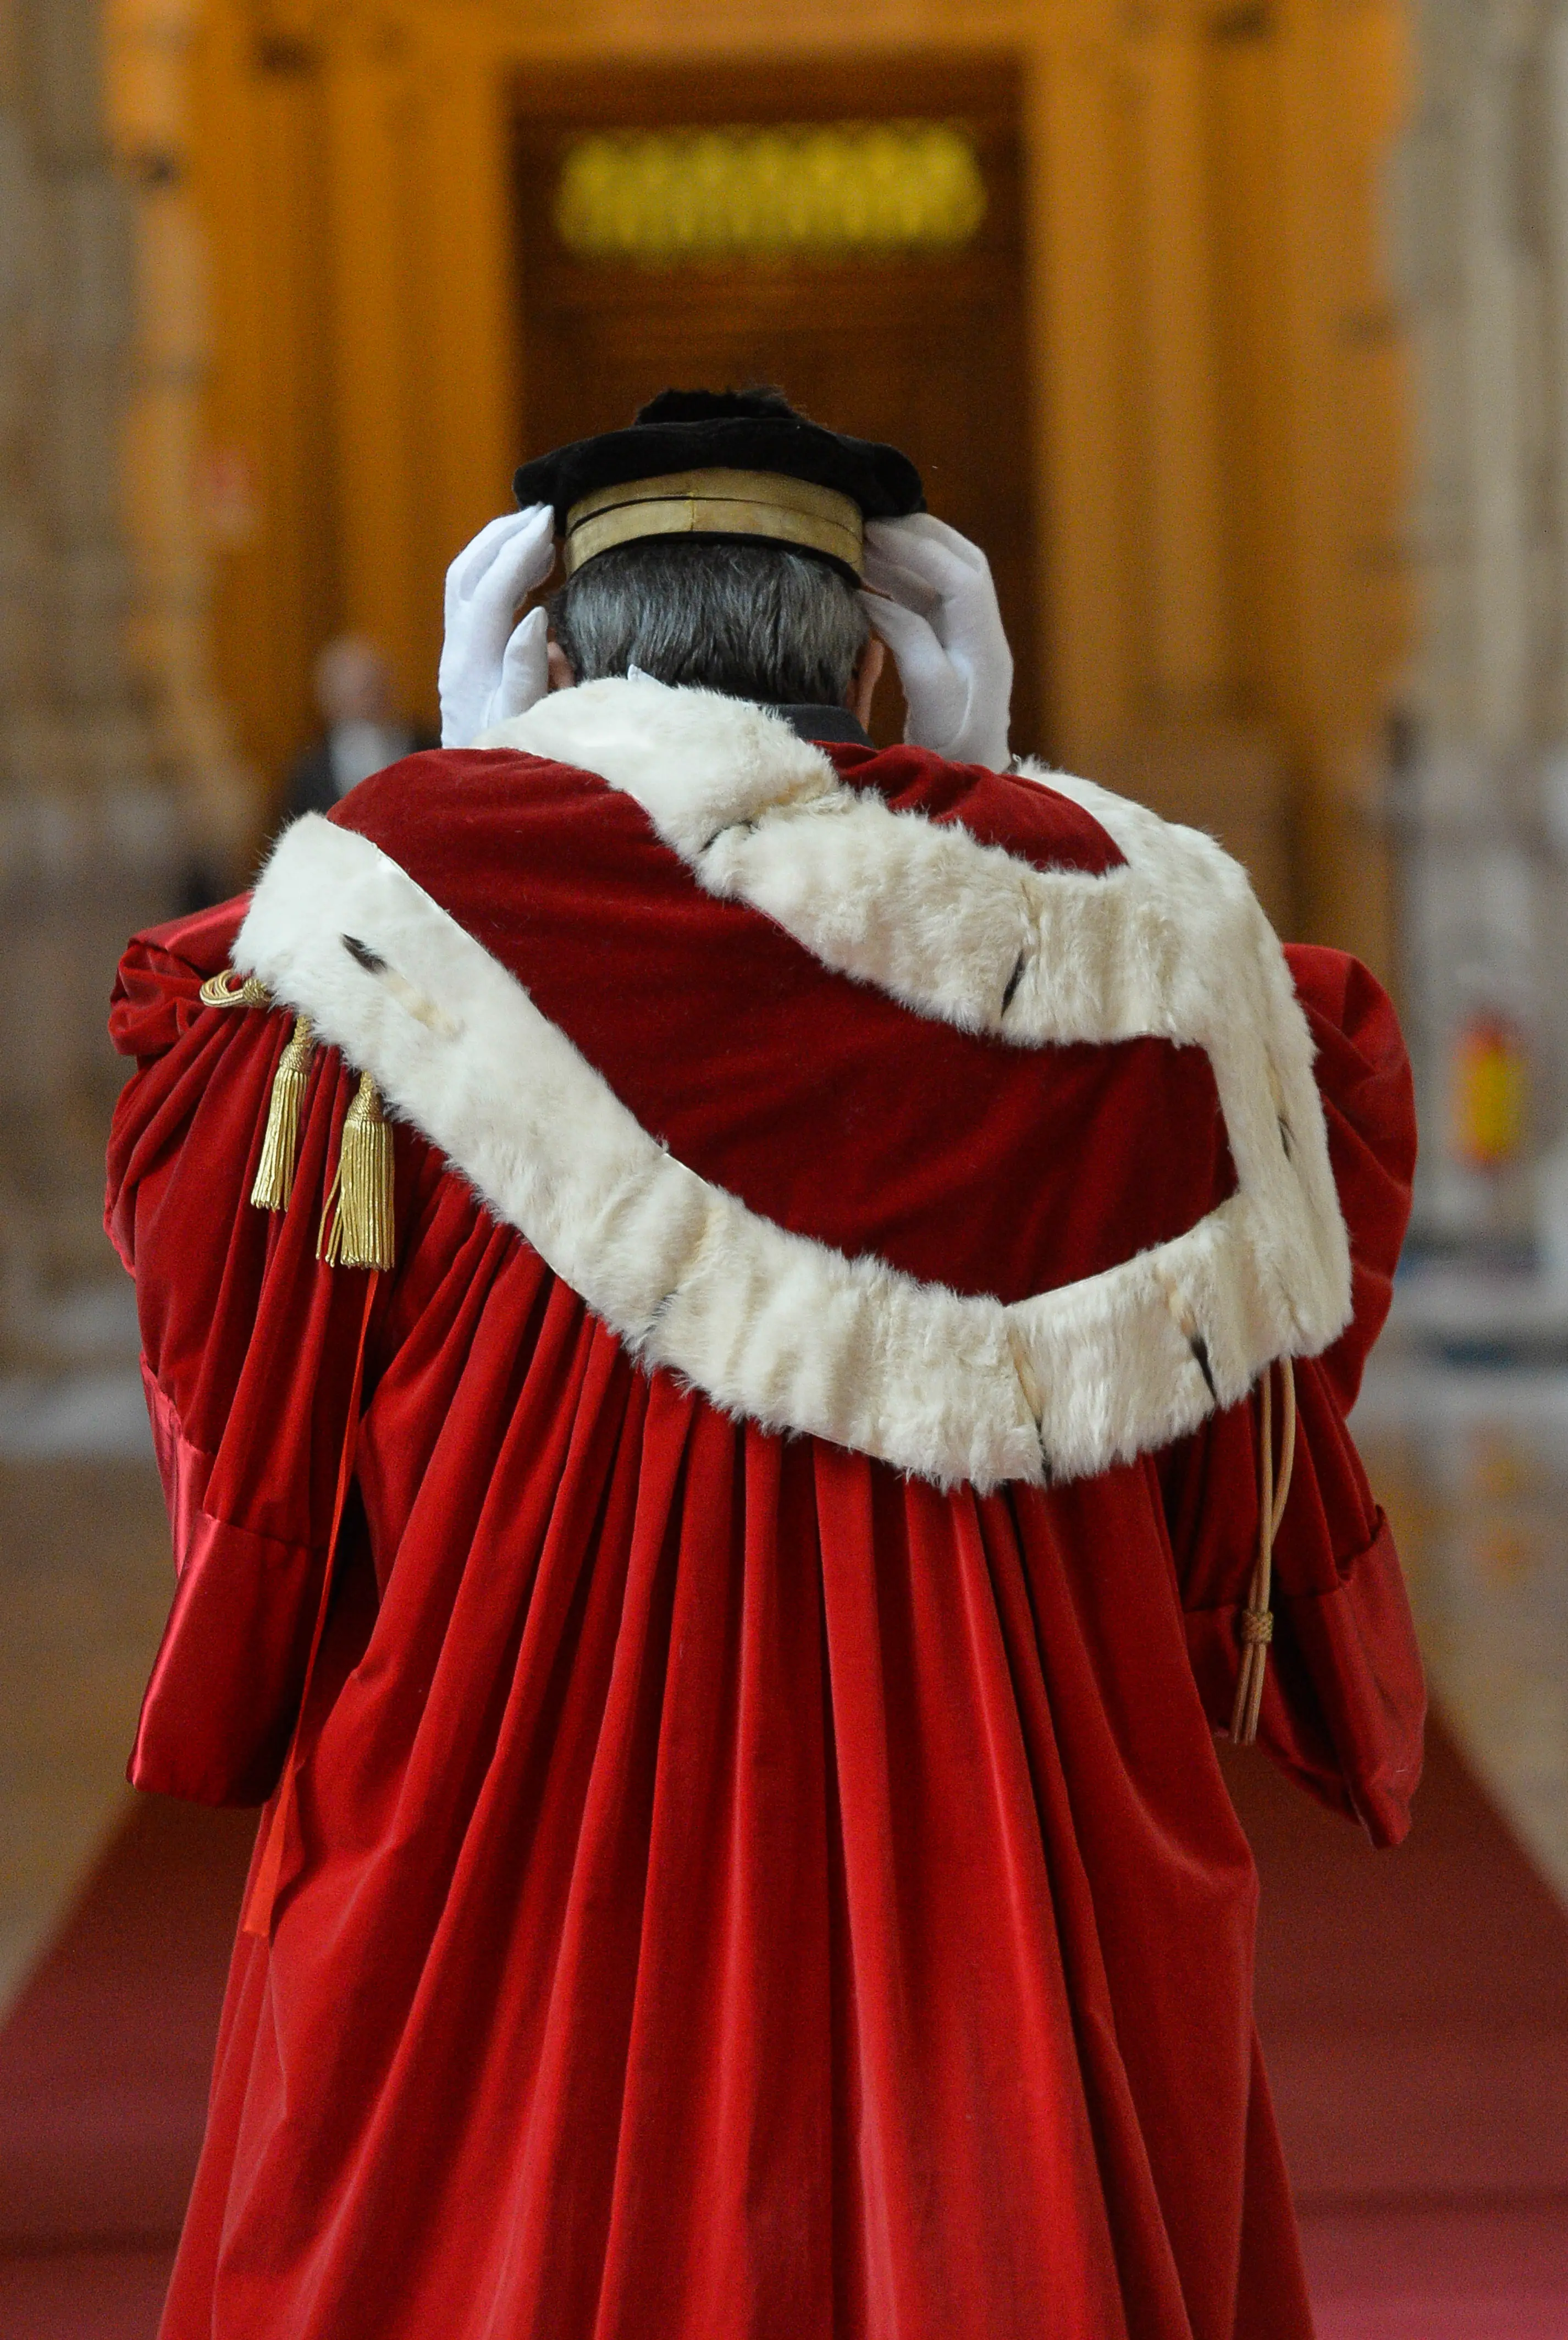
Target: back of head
(752, 621)
(748, 617)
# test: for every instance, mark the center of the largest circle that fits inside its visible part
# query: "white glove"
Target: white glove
(489, 668)
(941, 622)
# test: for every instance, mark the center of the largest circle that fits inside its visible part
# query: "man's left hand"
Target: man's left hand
(935, 606)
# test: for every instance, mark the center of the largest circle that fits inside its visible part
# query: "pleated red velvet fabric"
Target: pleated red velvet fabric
(731, 1890)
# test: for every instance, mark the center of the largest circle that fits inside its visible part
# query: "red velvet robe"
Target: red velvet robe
(732, 1889)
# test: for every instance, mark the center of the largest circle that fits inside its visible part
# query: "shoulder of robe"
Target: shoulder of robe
(1160, 937)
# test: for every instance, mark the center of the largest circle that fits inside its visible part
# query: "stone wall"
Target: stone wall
(1482, 232)
(89, 842)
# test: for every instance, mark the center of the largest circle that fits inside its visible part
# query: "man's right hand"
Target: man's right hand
(490, 668)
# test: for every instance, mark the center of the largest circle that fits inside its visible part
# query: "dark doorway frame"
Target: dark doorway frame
(577, 318)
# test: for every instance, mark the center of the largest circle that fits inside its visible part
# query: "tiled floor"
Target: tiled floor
(1472, 1466)
(84, 1583)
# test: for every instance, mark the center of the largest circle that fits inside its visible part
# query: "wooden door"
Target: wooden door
(924, 348)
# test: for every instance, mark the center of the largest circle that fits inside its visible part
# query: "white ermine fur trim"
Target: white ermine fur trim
(776, 1326)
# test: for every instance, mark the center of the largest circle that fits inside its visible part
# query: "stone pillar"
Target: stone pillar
(169, 501)
(88, 837)
(1482, 238)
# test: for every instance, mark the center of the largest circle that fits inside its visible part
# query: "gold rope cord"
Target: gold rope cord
(1272, 1494)
(227, 989)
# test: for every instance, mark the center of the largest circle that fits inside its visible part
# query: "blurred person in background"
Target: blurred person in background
(361, 733)
(751, 1342)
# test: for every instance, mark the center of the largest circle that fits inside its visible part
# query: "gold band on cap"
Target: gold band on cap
(766, 504)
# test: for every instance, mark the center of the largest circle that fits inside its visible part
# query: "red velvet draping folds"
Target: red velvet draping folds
(731, 1890)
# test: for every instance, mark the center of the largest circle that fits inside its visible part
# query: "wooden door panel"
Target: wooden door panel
(926, 351)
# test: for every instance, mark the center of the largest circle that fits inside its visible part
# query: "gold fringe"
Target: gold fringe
(357, 1219)
(281, 1144)
(227, 989)
(1272, 1494)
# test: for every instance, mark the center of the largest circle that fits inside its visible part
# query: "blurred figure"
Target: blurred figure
(361, 734)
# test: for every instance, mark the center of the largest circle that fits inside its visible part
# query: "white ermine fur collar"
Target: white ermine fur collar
(775, 1326)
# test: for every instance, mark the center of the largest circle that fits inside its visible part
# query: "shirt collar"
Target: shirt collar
(831, 723)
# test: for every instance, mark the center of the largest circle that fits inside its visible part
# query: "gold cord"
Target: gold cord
(227, 989)
(1272, 1494)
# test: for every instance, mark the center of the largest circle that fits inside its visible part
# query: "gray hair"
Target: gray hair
(752, 621)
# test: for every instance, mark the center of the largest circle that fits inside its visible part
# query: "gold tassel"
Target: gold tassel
(226, 989)
(281, 1144)
(1257, 1617)
(357, 1219)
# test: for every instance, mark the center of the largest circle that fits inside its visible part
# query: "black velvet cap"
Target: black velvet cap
(741, 431)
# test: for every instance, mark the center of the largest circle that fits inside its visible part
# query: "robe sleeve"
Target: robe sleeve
(248, 1346)
(1343, 1704)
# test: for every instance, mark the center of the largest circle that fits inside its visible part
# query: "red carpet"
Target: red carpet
(103, 2067)
(1414, 2007)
